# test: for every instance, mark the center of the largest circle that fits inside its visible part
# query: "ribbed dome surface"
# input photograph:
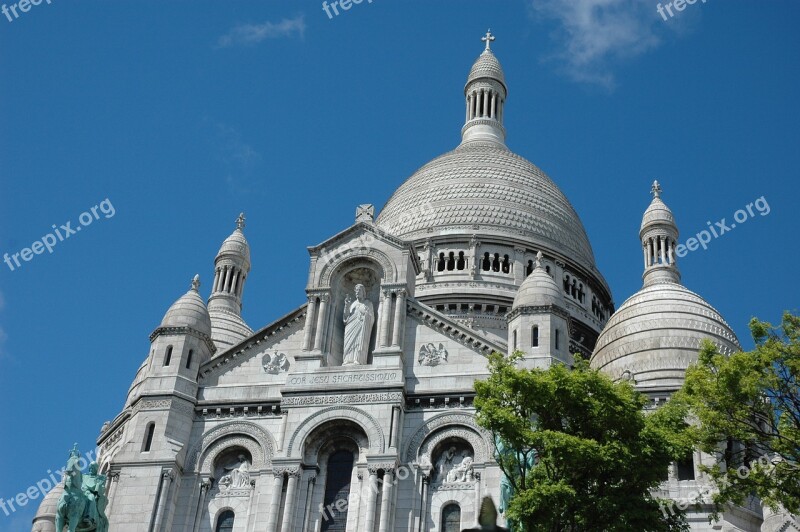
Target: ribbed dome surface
(44, 521)
(188, 311)
(227, 328)
(487, 66)
(482, 187)
(236, 243)
(655, 335)
(538, 289)
(657, 212)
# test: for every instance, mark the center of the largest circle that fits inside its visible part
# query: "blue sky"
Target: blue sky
(182, 114)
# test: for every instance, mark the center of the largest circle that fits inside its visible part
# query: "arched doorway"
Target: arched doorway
(337, 488)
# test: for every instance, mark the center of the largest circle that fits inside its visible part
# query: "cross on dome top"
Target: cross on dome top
(196, 282)
(240, 221)
(488, 38)
(656, 190)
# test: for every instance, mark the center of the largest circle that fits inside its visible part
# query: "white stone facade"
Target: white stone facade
(226, 429)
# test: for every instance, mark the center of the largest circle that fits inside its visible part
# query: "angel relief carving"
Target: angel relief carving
(429, 355)
(455, 465)
(276, 363)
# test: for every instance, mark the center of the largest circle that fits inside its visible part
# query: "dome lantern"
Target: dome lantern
(485, 94)
(659, 235)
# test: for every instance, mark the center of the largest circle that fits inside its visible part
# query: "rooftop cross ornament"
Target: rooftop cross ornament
(196, 282)
(488, 39)
(240, 221)
(656, 190)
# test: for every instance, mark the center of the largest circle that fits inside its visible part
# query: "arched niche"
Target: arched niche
(363, 271)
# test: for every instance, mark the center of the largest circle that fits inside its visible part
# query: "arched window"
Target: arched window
(506, 267)
(529, 268)
(462, 263)
(225, 521)
(189, 359)
(148, 437)
(515, 341)
(451, 262)
(535, 336)
(496, 263)
(558, 339)
(440, 264)
(337, 488)
(451, 518)
(168, 355)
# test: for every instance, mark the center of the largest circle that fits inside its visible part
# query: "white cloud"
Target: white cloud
(249, 34)
(593, 34)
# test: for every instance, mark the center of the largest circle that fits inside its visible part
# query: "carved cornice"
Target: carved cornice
(538, 309)
(184, 331)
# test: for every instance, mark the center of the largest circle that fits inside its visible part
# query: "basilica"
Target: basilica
(354, 412)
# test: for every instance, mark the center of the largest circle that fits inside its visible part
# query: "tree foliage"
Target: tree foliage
(577, 449)
(748, 412)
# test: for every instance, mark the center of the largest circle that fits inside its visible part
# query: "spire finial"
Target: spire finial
(656, 190)
(488, 40)
(196, 282)
(538, 263)
(240, 221)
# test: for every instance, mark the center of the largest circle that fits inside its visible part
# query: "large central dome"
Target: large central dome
(483, 187)
(479, 215)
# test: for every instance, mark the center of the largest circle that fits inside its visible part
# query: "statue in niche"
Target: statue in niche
(455, 466)
(464, 471)
(237, 476)
(359, 318)
(275, 364)
(430, 356)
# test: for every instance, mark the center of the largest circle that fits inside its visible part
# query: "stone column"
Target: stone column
(423, 511)
(399, 313)
(201, 502)
(372, 487)
(311, 315)
(166, 483)
(644, 250)
(652, 254)
(492, 112)
(275, 503)
(395, 426)
(309, 500)
(291, 502)
(663, 254)
(485, 103)
(386, 311)
(321, 318)
(386, 499)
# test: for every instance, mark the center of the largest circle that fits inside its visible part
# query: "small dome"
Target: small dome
(236, 244)
(656, 334)
(44, 521)
(189, 311)
(657, 213)
(487, 66)
(538, 289)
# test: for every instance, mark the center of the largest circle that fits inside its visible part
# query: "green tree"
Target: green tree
(597, 454)
(747, 407)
